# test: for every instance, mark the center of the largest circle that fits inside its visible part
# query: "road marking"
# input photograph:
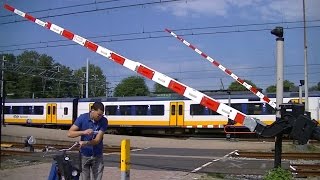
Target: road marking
(208, 163)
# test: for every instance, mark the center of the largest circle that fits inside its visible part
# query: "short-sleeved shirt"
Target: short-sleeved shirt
(84, 122)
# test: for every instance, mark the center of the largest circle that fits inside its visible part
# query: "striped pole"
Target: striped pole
(227, 71)
(147, 72)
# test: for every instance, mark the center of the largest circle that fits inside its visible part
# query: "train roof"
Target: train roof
(215, 95)
(167, 97)
(50, 100)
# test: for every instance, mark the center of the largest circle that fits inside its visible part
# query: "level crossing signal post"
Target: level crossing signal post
(278, 32)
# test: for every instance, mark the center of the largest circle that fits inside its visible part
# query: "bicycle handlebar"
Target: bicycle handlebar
(48, 148)
(68, 149)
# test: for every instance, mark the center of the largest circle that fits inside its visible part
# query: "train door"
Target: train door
(176, 113)
(51, 113)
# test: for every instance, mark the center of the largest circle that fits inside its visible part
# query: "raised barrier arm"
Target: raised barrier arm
(225, 70)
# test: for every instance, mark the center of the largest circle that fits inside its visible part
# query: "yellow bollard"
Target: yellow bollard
(125, 159)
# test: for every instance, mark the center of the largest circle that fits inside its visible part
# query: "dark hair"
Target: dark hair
(98, 105)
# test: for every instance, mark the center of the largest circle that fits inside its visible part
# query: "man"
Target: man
(91, 127)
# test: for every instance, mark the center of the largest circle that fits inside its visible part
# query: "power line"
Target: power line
(48, 74)
(160, 36)
(218, 77)
(243, 68)
(177, 30)
(64, 7)
(96, 10)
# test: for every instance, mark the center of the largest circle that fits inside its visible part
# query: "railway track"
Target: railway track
(298, 170)
(270, 155)
(305, 170)
(14, 148)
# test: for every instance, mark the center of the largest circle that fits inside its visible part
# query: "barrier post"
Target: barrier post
(125, 159)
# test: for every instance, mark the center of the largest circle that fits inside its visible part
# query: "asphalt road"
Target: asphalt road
(193, 160)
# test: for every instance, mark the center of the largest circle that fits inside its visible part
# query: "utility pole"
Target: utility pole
(107, 88)
(222, 86)
(306, 85)
(2, 102)
(2, 75)
(87, 79)
(94, 89)
(2, 99)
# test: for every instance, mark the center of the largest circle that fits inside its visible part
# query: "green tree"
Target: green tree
(235, 86)
(68, 84)
(271, 89)
(10, 78)
(29, 85)
(315, 87)
(287, 87)
(31, 74)
(97, 81)
(132, 86)
(159, 89)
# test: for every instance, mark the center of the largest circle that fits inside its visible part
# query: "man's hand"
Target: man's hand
(88, 132)
(83, 143)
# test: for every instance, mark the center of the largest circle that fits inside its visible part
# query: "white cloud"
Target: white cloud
(283, 10)
(206, 7)
(266, 9)
(290, 10)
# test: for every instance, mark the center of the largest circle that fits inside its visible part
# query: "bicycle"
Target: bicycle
(65, 166)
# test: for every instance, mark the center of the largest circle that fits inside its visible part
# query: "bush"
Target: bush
(278, 174)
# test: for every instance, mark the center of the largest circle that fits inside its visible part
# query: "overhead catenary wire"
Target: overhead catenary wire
(185, 29)
(150, 37)
(65, 7)
(100, 9)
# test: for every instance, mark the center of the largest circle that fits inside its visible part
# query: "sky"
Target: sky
(235, 33)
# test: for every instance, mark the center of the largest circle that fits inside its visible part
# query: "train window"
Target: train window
(38, 110)
(237, 106)
(267, 109)
(210, 112)
(7, 109)
(26, 109)
(54, 110)
(157, 109)
(255, 109)
(196, 109)
(173, 109)
(111, 110)
(16, 109)
(141, 109)
(180, 109)
(65, 111)
(125, 110)
(49, 110)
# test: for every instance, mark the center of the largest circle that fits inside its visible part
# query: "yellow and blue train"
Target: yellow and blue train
(170, 112)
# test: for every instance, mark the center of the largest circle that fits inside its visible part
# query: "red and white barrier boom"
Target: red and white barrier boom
(144, 70)
(227, 71)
